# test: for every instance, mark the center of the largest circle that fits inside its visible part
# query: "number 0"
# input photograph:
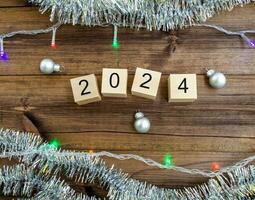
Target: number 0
(183, 85)
(117, 82)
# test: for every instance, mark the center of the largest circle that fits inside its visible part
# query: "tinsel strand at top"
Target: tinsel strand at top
(152, 14)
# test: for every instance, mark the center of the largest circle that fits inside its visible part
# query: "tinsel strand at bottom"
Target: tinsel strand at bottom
(38, 176)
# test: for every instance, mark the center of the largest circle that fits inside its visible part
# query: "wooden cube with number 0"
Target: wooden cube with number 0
(85, 89)
(146, 83)
(182, 87)
(114, 82)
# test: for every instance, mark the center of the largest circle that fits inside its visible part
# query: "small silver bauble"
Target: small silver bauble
(48, 66)
(216, 79)
(142, 124)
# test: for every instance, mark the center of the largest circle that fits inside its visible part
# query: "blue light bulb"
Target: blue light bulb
(3, 56)
(252, 43)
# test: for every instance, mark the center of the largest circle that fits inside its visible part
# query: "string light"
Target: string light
(45, 169)
(21, 136)
(252, 43)
(53, 39)
(3, 54)
(249, 41)
(91, 151)
(54, 143)
(168, 161)
(215, 166)
(115, 43)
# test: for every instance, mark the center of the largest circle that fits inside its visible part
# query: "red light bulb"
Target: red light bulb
(53, 46)
(215, 166)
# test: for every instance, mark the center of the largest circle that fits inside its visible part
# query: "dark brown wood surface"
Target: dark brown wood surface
(219, 126)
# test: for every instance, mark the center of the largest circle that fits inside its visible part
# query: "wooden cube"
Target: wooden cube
(182, 87)
(85, 89)
(114, 82)
(146, 83)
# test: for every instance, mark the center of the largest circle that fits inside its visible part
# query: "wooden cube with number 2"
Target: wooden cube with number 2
(182, 87)
(146, 83)
(85, 89)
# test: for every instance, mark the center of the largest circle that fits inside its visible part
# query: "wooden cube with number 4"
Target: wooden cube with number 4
(146, 83)
(85, 89)
(182, 87)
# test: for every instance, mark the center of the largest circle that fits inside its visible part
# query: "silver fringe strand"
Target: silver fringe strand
(23, 181)
(37, 175)
(153, 14)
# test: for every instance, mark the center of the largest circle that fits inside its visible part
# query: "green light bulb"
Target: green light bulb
(168, 161)
(115, 43)
(54, 143)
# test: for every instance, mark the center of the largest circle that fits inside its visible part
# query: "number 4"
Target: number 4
(183, 85)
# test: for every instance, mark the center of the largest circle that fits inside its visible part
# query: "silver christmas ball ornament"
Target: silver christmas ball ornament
(216, 79)
(48, 66)
(141, 124)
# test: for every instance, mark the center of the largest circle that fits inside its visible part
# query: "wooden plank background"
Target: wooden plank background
(219, 126)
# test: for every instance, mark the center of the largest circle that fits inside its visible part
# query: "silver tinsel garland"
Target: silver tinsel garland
(152, 14)
(41, 165)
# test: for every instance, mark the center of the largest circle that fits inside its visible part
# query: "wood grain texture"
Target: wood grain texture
(219, 126)
(13, 3)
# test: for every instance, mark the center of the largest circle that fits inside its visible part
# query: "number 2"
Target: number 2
(86, 86)
(143, 84)
(183, 85)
